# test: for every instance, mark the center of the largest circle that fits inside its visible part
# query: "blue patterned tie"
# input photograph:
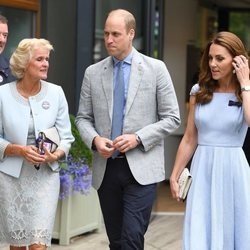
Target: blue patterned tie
(118, 104)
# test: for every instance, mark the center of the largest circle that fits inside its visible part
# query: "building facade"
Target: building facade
(174, 31)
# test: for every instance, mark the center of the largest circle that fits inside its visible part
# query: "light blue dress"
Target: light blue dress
(218, 205)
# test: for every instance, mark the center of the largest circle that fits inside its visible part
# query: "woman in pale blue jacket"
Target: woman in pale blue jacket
(29, 195)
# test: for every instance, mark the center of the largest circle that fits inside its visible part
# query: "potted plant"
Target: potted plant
(75, 174)
(78, 209)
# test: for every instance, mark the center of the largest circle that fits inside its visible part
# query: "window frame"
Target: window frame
(31, 5)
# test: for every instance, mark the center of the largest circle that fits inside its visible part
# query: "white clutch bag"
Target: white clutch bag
(184, 182)
(48, 138)
(52, 135)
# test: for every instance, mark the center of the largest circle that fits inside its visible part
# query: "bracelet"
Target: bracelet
(245, 88)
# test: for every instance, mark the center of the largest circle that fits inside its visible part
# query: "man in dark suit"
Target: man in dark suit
(5, 73)
(127, 164)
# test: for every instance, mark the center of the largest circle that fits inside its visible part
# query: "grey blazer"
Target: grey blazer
(151, 111)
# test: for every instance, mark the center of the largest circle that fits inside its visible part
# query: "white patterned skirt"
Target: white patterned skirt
(28, 206)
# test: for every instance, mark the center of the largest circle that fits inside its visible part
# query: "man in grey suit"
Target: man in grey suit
(127, 166)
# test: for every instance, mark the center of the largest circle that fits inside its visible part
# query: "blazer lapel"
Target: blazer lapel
(134, 81)
(107, 83)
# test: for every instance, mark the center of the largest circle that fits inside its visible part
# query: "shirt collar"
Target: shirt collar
(127, 59)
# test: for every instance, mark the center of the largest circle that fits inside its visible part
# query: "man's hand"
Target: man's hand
(104, 146)
(124, 143)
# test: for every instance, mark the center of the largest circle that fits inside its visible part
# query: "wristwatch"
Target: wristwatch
(138, 139)
(245, 88)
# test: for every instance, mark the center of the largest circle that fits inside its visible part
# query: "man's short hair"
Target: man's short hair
(3, 19)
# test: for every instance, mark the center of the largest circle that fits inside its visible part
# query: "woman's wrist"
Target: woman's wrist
(57, 156)
(172, 179)
(245, 87)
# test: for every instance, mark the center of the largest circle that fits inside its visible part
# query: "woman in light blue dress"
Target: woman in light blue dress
(217, 213)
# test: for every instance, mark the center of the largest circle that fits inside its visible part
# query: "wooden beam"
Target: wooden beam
(33, 5)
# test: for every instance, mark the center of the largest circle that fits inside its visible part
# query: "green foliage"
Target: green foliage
(239, 23)
(79, 150)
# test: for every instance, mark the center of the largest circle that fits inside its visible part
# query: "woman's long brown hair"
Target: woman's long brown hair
(207, 84)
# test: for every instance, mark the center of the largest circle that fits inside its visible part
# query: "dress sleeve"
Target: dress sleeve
(195, 89)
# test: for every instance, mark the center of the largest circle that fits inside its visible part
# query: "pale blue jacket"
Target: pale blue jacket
(49, 108)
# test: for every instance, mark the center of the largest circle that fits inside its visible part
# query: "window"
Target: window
(23, 21)
(239, 24)
(149, 25)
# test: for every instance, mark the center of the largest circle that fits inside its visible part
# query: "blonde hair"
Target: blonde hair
(24, 52)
